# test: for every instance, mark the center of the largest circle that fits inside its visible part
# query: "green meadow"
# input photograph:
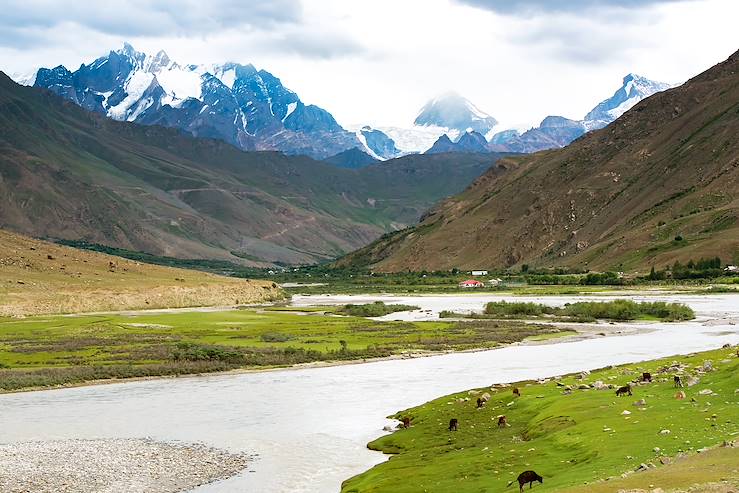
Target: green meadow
(571, 433)
(55, 350)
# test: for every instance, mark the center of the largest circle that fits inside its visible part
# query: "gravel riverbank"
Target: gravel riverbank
(112, 465)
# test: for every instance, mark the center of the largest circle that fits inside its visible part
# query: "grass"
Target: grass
(38, 277)
(590, 310)
(63, 350)
(571, 438)
(376, 309)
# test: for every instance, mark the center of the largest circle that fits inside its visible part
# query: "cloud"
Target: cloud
(532, 7)
(130, 18)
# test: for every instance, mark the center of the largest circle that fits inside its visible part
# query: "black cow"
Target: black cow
(527, 477)
(678, 381)
(453, 424)
(626, 389)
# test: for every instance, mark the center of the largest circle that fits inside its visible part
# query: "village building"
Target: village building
(471, 283)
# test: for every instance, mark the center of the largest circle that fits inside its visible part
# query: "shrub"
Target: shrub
(504, 308)
(376, 309)
(275, 337)
(188, 351)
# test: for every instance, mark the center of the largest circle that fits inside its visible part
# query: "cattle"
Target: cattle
(406, 422)
(527, 477)
(480, 402)
(678, 381)
(453, 424)
(626, 389)
(502, 422)
(516, 392)
(646, 377)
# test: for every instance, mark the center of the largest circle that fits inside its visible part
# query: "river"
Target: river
(310, 426)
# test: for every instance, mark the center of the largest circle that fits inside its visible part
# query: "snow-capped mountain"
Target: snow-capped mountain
(246, 107)
(634, 89)
(558, 131)
(452, 111)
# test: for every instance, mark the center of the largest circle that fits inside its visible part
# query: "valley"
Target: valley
(435, 246)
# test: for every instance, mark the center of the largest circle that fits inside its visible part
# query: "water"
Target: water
(310, 426)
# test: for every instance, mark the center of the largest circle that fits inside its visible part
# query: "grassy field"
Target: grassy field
(60, 350)
(38, 277)
(571, 437)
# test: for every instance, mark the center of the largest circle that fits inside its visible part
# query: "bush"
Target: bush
(592, 310)
(506, 309)
(275, 337)
(188, 351)
(376, 309)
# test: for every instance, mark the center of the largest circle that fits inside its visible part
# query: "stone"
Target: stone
(626, 413)
(664, 432)
(640, 403)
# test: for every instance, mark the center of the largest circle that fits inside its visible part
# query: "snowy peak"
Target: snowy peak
(451, 110)
(634, 89)
(239, 104)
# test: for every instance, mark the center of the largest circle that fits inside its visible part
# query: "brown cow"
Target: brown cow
(626, 389)
(516, 392)
(502, 422)
(678, 381)
(406, 422)
(453, 424)
(527, 477)
(646, 377)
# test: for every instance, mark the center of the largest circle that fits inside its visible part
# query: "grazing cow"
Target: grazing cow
(480, 402)
(453, 424)
(502, 422)
(516, 392)
(527, 477)
(678, 381)
(626, 389)
(406, 422)
(646, 377)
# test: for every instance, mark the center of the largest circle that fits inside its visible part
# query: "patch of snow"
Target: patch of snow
(228, 78)
(24, 78)
(141, 106)
(417, 138)
(363, 140)
(138, 82)
(180, 84)
(290, 108)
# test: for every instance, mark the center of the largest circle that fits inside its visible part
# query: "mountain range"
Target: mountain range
(70, 173)
(252, 110)
(554, 131)
(658, 185)
(248, 108)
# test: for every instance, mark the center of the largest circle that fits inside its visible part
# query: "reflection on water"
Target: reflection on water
(309, 427)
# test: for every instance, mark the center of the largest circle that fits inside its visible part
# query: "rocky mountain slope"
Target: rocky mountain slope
(239, 104)
(73, 174)
(659, 184)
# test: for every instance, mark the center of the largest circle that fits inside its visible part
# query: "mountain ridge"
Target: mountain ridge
(658, 185)
(68, 173)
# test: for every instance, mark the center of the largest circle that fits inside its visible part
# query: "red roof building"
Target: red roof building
(471, 283)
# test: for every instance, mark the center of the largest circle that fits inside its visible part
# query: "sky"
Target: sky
(377, 62)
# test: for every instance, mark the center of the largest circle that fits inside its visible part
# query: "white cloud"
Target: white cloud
(378, 62)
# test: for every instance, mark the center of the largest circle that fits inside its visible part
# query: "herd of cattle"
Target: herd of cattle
(530, 476)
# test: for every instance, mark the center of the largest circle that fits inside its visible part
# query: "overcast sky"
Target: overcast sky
(378, 61)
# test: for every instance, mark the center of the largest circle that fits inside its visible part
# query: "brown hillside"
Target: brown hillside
(37, 277)
(657, 185)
